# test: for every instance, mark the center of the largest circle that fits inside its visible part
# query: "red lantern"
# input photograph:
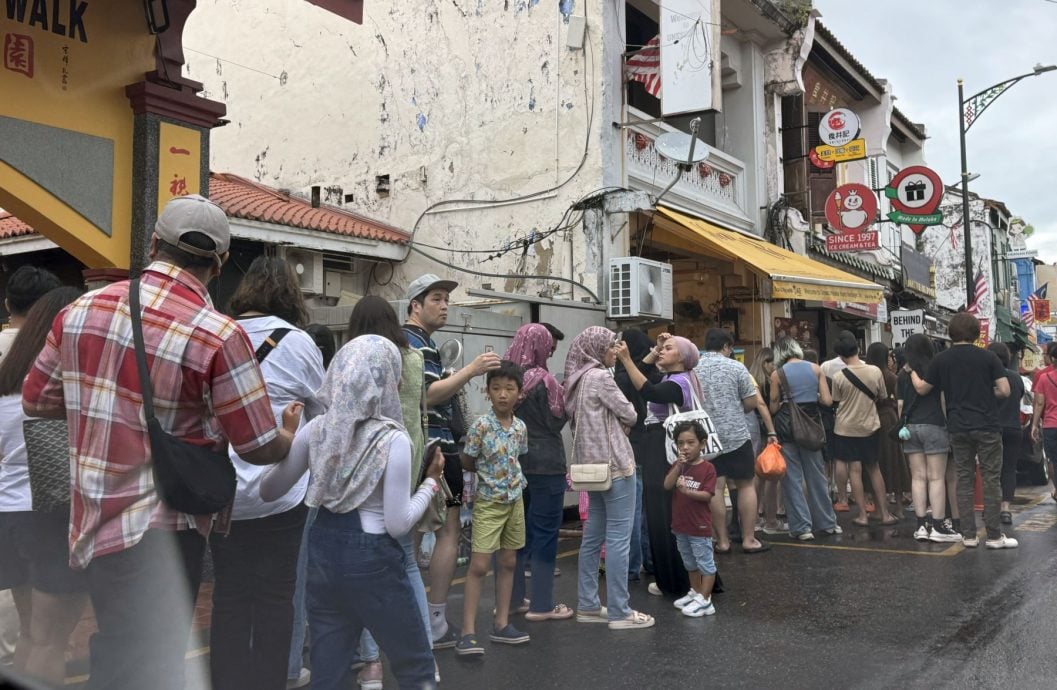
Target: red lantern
(704, 169)
(724, 179)
(641, 141)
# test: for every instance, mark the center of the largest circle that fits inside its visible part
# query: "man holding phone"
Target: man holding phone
(427, 313)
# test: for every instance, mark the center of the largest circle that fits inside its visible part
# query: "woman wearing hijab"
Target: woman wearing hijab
(601, 416)
(676, 357)
(359, 458)
(639, 345)
(541, 405)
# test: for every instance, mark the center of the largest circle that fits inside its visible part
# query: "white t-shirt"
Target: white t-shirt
(831, 366)
(293, 371)
(7, 338)
(15, 494)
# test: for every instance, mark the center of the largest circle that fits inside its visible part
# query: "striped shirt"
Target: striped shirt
(439, 416)
(207, 386)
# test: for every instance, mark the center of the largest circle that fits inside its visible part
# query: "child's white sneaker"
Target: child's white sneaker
(684, 600)
(698, 607)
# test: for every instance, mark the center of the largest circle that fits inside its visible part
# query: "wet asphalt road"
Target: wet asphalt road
(871, 608)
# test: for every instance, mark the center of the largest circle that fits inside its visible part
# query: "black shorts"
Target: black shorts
(453, 476)
(739, 463)
(36, 552)
(855, 448)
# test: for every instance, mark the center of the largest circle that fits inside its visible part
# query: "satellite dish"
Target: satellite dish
(450, 353)
(680, 146)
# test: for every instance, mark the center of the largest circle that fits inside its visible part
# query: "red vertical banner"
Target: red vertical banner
(1042, 310)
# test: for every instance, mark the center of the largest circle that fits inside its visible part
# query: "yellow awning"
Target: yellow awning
(792, 276)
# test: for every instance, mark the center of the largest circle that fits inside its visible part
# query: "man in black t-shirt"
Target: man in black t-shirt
(972, 379)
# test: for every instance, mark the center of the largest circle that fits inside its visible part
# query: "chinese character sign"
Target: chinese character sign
(18, 54)
(179, 162)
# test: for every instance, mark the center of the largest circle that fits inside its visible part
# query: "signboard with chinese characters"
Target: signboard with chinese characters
(985, 333)
(854, 150)
(917, 273)
(179, 162)
(838, 127)
(851, 208)
(852, 242)
(65, 122)
(905, 323)
(689, 44)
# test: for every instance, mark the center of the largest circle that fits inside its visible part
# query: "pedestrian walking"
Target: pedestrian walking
(255, 562)
(972, 380)
(143, 559)
(601, 414)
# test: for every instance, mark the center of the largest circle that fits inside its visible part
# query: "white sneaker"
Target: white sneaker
(698, 607)
(684, 600)
(970, 542)
(1003, 542)
(781, 528)
(835, 530)
(922, 533)
(654, 589)
(806, 536)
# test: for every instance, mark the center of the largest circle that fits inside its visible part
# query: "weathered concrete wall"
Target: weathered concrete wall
(462, 99)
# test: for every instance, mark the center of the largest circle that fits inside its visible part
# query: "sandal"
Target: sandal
(764, 546)
(633, 622)
(559, 613)
(722, 552)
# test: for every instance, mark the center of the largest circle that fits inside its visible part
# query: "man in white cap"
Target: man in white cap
(143, 559)
(427, 312)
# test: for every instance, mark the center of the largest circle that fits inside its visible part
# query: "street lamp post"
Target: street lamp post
(969, 109)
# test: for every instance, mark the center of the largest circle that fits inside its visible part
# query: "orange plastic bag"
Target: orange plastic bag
(771, 463)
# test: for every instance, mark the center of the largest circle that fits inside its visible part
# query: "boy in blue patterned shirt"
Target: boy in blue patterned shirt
(492, 447)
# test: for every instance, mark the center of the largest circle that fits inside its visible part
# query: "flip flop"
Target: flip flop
(764, 546)
(722, 552)
(559, 612)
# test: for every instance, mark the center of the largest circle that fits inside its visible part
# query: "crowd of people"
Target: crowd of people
(344, 457)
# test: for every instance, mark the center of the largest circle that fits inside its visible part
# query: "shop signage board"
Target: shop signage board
(1014, 254)
(1041, 309)
(852, 242)
(854, 150)
(915, 193)
(985, 333)
(838, 127)
(905, 323)
(917, 272)
(851, 208)
(818, 162)
(875, 311)
(179, 162)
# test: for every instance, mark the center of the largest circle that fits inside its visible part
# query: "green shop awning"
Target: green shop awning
(1003, 324)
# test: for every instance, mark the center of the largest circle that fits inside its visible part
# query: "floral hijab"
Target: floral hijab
(530, 350)
(349, 446)
(587, 352)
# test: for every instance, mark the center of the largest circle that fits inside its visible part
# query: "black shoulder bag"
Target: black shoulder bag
(190, 479)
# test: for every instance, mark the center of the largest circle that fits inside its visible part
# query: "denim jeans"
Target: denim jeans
(255, 574)
(297, 638)
(608, 521)
(635, 554)
(1049, 444)
(813, 511)
(968, 446)
(544, 501)
(356, 579)
(368, 647)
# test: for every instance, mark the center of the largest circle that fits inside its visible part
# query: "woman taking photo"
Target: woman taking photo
(927, 447)
(49, 596)
(807, 388)
(601, 416)
(359, 459)
(541, 405)
(255, 563)
(675, 357)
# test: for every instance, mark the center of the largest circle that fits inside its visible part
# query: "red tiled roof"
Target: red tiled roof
(10, 226)
(242, 198)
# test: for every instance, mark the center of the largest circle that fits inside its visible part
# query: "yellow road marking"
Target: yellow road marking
(952, 550)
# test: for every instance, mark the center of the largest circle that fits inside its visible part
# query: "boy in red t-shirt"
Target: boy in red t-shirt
(694, 481)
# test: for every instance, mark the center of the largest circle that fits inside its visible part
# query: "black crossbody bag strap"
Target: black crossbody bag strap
(857, 382)
(270, 343)
(141, 350)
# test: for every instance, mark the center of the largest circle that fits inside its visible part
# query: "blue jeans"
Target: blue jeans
(697, 553)
(608, 520)
(297, 638)
(355, 578)
(368, 647)
(813, 511)
(544, 501)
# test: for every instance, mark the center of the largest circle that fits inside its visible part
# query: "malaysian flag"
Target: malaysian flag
(979, 292)
(644, 65)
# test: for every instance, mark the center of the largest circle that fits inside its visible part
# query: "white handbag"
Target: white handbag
(594, 476)
(713, 448)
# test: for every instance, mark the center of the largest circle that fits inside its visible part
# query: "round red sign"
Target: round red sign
(851, 208)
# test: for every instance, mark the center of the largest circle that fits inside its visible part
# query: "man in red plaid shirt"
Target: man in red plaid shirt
(144, 560)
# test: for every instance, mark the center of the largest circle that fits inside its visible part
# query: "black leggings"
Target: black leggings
(668, 568)
(1012, 443)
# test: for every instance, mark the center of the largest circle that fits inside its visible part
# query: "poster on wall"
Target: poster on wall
(690, 57)
(800, 330)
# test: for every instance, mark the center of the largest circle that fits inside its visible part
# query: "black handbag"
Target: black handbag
(190, 479)
(48, 460)
(806, 431)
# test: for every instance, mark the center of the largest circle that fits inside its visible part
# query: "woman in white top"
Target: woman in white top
(255, 563)
(34, 550)
(359, 458)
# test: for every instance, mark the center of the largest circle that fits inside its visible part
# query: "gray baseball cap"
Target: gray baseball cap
(423, 284)
(194, 213)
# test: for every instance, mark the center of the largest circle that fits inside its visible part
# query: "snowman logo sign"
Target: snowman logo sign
(851, 208)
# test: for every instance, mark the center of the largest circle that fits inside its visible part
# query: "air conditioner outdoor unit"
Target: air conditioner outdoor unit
(639, 288)
(308, 267)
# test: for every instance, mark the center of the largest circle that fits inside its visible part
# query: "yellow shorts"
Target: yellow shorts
(498, 526)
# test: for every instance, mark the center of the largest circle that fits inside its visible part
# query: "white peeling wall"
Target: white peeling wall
(460, 99)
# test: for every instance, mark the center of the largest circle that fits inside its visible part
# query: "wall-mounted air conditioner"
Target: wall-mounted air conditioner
(308, 267)
(639, 288)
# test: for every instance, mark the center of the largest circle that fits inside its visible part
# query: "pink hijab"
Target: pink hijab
(587, 352)
(530, 350)
(690, 355)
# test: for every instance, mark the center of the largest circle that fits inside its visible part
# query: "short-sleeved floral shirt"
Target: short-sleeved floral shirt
(496, 450)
